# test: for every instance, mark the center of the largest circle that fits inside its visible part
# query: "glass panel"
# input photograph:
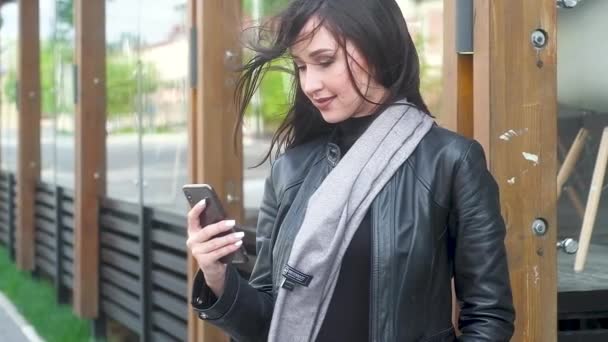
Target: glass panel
(263, 116)
(425, 21)
(8, 86)
(63, 46)
(57, 86)
(164, 86)
(122, 54)
(48, 90)
(582, 122)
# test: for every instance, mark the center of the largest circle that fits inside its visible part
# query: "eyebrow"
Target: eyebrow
(314, 53)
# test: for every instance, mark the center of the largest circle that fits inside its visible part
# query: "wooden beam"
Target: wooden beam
(90, 152)
(213, 159)
(457, 102)
(193, 152)
(516, 121)
(28, 165)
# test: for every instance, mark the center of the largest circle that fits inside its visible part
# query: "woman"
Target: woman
(371, 209)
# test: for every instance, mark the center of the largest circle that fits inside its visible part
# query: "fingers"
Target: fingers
(194, 224)
(208, 232)
(217, 243)
(206, 260)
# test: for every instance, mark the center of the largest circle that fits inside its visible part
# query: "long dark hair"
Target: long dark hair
(375, 27)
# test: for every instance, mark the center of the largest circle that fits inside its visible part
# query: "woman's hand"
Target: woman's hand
(207, 250)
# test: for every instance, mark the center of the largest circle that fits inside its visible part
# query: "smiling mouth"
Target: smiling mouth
(323, 103)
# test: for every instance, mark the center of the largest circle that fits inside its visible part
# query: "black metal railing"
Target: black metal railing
(143, 258)
(8, 211)
(54, 236)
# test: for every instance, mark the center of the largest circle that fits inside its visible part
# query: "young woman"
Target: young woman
(370, 210)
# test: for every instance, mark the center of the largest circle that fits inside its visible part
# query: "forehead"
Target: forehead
(313, 37)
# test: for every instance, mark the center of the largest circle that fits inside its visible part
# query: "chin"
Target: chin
(333, 118)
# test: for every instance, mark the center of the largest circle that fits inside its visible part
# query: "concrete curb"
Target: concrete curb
(26, 329)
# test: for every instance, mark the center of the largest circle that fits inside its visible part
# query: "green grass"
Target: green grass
(35, 299)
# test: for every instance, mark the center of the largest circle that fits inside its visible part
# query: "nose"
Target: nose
(311, 81)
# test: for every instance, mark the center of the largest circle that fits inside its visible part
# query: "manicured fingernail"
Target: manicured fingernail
(239, 235)
(238, 243)
(230, 223)
(202, 203)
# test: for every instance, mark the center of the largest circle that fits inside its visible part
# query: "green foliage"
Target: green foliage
(122, 84)
(274, 95)
(36, 301)
(55, 56)
(269, 7)
(10, 86)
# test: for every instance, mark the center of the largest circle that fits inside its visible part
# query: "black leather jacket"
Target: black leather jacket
(437, 218)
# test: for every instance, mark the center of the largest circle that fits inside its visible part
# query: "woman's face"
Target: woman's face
(324, 76)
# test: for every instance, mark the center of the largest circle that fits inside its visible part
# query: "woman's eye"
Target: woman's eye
(325, 64)
(301, 67)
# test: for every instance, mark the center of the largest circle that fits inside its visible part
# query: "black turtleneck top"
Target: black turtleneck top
(347, 317)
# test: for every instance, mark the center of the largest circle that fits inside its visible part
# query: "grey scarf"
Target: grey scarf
(334, 213)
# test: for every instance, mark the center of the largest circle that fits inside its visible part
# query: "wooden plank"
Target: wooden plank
(46, 226)
(90, 151)
(117, 277)
(4, 237)
(193, 148)
(599, 335)
(45, 266)
(67, 207)
(172, 262)
(120, 314)
(176, 306)
(457, 101)
(169, 282)
(168, 240)
(593, 278)
(67, 222)
(45, 212)
(68, 266)
(68, 252)
(120, 296)
(172, 326)
(68, 281)
(118, 206)
(44, 239)
(166, 217)
(157, 335)
(46, 252)
(514, 94)
(113, 223)
(45, 198)
(117, 242)
(28, 165)
(45, 188)
(120, 261)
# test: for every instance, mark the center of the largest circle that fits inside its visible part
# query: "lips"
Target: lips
(324, 102)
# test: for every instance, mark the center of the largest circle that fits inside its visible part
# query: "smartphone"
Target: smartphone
(213, 213)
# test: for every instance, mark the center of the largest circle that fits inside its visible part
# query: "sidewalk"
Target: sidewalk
(13, 328)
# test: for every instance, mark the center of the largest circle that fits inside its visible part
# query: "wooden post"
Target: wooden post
(212, 117)
(571, 159)
(457, 101)
(593, 201)
(516, 121)
(28, 165)
(90, 152)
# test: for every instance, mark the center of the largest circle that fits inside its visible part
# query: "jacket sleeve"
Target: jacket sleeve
(245, 308)
(481, 274)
